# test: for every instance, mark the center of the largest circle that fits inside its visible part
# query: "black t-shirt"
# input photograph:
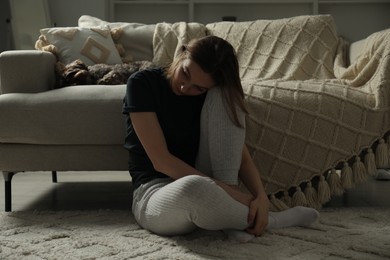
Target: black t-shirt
(179, 118)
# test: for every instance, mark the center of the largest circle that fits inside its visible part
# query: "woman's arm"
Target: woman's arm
(150, 134)
(259, 206)
(250, 175)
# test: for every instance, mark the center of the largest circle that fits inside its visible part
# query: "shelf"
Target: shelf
(367, 15)
(206, 11)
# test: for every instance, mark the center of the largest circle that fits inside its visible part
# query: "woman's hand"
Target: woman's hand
(258, 215)
(235, 193)
(258, 208)
(259, 205)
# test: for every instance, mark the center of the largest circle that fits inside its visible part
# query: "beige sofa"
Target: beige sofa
(296, 79)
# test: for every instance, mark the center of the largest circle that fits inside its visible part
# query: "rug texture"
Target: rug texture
(347, 233)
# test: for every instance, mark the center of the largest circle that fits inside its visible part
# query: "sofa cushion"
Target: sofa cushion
(91, 45)
(88, 114)
(136, 38)
(297, 48)
(355, 50)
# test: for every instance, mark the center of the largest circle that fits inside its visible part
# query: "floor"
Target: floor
(112, 190)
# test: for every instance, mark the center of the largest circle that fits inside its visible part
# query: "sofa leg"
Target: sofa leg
(54, 176)
(7, 188)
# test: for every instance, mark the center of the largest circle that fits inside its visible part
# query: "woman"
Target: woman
(185, 137)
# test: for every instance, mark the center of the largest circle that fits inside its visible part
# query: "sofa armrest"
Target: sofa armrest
(26, 71)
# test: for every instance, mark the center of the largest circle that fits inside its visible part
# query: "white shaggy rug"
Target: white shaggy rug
(342, 233)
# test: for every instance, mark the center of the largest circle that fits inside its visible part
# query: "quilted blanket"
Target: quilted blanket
(316, 125)
(168, 38)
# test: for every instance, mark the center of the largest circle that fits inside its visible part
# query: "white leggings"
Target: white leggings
(168, 207)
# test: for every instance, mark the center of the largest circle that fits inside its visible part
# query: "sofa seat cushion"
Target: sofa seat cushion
(88, 114)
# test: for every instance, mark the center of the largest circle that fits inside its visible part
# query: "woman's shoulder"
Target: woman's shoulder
(149, 73)
(150, 79)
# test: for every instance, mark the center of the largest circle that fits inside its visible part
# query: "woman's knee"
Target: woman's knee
(215, 106)
(194, 184)
(194, 190)
(214, 99)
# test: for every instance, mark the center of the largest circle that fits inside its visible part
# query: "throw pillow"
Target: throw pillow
(355, 50)
(135, 38)
(91, 45)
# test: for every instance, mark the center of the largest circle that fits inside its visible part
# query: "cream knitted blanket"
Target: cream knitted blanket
(316, 125)
(168, 38)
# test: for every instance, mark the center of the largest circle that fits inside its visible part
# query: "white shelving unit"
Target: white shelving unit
(149, 11)
(206, 11)
(356, 19)
(213, 11)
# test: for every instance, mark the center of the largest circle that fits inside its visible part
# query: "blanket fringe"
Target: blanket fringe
(287, 199)
(359, 171)
(323, 191)
(347, 176)
(335, 181)
(299, 198)
(311, 196)
(277, 204)
(382, 154)
(369, 162)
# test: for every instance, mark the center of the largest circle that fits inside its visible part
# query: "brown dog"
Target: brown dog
(77, 73)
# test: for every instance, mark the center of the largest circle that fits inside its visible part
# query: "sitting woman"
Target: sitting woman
(185, 137)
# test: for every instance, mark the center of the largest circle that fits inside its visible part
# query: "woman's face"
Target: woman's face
(190, 80)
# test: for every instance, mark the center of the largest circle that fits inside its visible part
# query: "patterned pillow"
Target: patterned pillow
(135, 38)
(91, 45)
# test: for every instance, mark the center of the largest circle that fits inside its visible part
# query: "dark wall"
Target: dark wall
(5, 26)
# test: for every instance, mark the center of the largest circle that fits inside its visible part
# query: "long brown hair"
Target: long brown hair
(216, 57)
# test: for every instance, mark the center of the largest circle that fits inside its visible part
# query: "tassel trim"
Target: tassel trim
(277, 204)
(335, 182)
(299, 198)
(382, 155)
(347, 176)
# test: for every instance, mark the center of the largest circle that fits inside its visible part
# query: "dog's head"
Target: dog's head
(74, 73)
